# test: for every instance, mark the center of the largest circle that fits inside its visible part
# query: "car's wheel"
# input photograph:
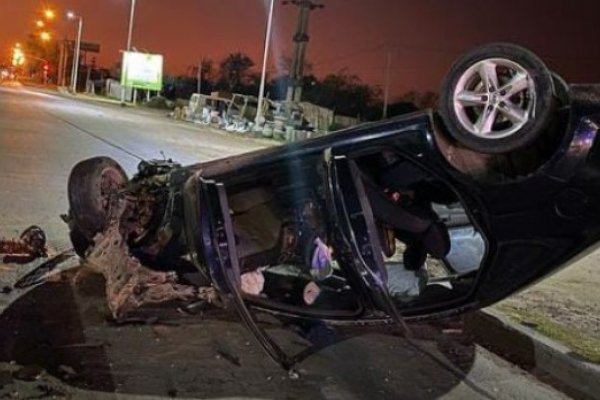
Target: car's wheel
(91, 184)
(497, 98)
(561, 89)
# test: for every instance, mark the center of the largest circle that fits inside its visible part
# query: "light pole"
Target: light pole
(199, 76)
(129, 38)
(263, 77)
(49, 14)
(45, 36)
(386, 93)
(76, 53)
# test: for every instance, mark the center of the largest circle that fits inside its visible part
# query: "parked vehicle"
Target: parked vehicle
(421, 216)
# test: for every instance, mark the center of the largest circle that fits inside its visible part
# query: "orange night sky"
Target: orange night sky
(426, 35)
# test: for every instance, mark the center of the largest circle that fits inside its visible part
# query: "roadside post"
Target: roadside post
(77, 51)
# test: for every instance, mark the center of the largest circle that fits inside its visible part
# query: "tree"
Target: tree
(234, 72)
(208, 74)
(421, 100)
(345, 93)
(284, 65)
(38, 53)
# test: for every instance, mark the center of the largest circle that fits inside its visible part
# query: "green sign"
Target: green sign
(142, 71)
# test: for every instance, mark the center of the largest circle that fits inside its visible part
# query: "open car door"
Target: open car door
(216, 237)
(219, 243)
(348, 200)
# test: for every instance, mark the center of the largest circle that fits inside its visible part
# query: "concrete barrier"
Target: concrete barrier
(533, 351)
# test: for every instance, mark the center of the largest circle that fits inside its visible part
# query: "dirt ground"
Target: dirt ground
(565, 306)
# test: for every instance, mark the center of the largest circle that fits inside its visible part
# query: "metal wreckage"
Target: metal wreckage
(421, 216)
(30, 246)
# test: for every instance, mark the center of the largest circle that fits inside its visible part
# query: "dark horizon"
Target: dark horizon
(351, 35)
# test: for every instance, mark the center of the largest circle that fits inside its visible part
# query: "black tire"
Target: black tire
(87, 200)
(542, 112)
(561, 89)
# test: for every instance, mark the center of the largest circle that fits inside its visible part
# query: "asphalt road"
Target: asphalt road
(60, 333)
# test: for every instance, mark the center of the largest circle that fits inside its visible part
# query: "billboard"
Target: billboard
(142, 71)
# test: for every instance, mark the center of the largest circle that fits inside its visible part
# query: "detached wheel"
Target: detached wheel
(91, 184)
(497, 98)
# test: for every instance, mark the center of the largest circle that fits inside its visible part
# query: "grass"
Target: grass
(580, 343)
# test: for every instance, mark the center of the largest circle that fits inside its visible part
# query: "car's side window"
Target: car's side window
(432, 250)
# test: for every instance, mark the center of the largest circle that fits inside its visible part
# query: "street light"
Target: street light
(45, 36)
(39, 23)
(49, 14)
(129, 39)
(75, 72)
(263, 77)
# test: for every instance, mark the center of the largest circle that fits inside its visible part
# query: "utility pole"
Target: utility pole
(129, 39)
(61, 64)
(199, 77)
(388, 71)
(73, 67)
(263, 76)
(301, 38)
(77, 55)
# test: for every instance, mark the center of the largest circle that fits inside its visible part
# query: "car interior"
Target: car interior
(431, 249)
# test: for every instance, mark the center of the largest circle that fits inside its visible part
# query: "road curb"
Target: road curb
(534, 351)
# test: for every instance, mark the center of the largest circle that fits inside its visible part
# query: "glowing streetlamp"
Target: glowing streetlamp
(49, 14)
(45, 36)
(39, 23)
(72, 16)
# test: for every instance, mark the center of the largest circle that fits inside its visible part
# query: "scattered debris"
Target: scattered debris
(28, 373)
(311, 293)
(42, 273)
(231, 358)
(283, 120)
(253, 282)
(66, 372)
(229, 111)
(30, 246)
(293, 374)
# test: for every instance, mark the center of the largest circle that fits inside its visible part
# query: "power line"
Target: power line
(368, 50)
(350, 55)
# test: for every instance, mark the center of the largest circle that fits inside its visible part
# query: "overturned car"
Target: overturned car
(420, 216)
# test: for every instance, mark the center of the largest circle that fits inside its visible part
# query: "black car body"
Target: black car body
(486, 224)
(532, 225)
